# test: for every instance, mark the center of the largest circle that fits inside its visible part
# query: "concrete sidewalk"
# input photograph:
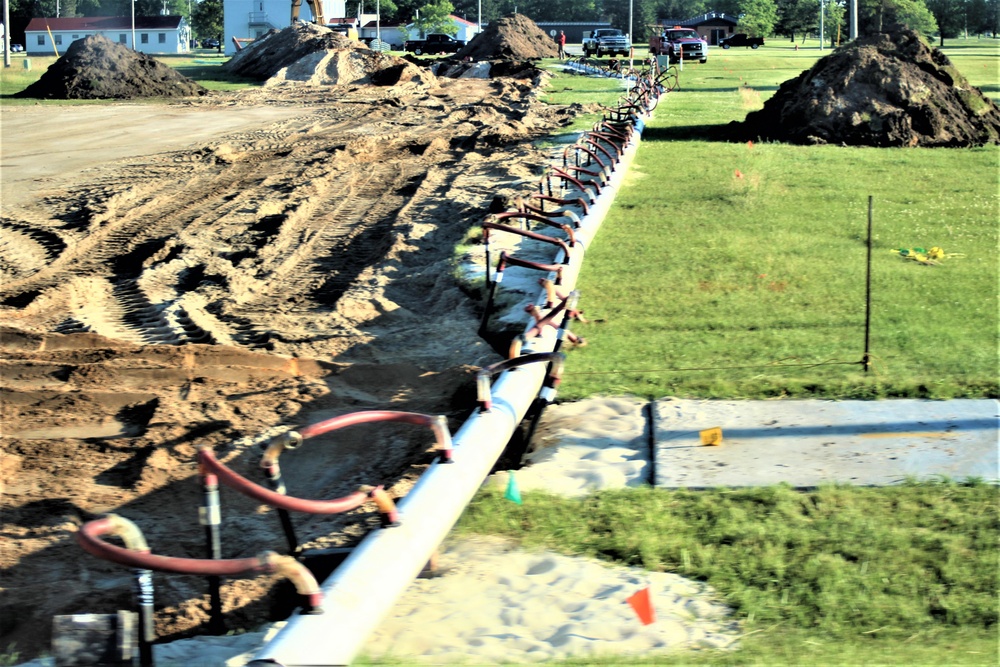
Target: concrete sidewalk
(623, 441)
(810, 442)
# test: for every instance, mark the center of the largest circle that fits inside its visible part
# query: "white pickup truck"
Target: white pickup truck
(606, 42)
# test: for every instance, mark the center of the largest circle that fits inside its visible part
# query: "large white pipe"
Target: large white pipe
(363, 589)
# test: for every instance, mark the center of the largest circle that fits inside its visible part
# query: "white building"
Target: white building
(153, 34)
(249, 19)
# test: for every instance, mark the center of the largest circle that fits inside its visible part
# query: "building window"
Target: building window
(58, 39)
(122, 38)
(144, 38)
(76, 36)
(41, 40)
(162, 38)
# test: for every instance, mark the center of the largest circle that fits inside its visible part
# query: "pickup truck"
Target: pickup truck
(741, 39)
(679, 42)
(606, 41)
(434, 43)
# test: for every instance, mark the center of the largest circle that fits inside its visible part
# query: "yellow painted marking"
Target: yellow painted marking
(711, 436)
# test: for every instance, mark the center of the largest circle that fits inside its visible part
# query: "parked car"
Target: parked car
(677, 43)
(16, 48)
(209, 43)
(741, 39)
(606, 42)
(434, 43)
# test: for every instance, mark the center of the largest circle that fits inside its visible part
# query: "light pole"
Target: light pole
(133, 26)
(630, 29)
(822, 29)
(6, 33)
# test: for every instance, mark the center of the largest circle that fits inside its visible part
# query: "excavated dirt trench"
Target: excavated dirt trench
(281, 274)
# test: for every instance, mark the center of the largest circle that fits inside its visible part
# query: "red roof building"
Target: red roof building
(152, 34)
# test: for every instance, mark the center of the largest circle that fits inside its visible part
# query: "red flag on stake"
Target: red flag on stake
(643, 606)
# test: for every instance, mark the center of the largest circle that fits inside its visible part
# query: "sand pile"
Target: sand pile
(514, 37)
(278, 49)
(97, 68)
(345, 66)
(888, 89)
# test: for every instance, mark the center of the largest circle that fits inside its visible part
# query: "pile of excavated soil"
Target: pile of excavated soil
(339, 67)
(514, 37)
(889, 89)
(278, 49)
(95, 68)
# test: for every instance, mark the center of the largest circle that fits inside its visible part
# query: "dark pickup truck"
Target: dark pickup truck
(434, 43)
(741, 39)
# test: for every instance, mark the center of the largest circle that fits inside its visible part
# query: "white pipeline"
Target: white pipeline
(363, 589)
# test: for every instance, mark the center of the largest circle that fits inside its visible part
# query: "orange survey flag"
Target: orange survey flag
(643, 606)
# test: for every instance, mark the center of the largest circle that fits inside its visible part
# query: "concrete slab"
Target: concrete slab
(807, 443)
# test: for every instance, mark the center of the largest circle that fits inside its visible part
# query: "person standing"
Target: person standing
(561, 39)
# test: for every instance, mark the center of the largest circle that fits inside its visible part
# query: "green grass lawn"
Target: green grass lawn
(905, 575)
(739, 258)
(700, 266)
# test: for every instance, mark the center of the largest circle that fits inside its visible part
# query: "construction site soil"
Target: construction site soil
(886, 89)
(160, 294)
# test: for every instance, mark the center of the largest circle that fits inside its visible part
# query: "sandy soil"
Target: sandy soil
(181, 275)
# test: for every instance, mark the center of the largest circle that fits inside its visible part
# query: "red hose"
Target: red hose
(138, 556)
(526, 264)
(89, 533)
(532, 235)
(243, 485)
(353, 418)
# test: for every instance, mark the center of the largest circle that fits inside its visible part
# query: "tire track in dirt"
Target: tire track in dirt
(322, 245)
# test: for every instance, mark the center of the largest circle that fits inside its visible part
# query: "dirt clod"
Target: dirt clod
(888, 89)
(95, 68)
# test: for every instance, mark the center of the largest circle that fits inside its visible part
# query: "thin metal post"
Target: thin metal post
(211, 518)
(147, 630)
(866, 360)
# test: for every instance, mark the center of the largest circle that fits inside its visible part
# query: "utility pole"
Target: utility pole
(854, 20)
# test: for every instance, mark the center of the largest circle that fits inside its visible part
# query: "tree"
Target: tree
(950, 17)
(914, 14)
(206, 19)
(434, 18)
(834, 22)
(983, 16)
(758, 17)
(875, 15)
(796, 17)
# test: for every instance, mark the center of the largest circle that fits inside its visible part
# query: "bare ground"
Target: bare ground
(205, 270)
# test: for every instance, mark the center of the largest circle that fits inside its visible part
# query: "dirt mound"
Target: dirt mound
(352, 66)
(95, 68)
(889, 89)
(278, 49)
(513, 37)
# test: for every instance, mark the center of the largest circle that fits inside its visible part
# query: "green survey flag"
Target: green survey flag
(513, 493)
